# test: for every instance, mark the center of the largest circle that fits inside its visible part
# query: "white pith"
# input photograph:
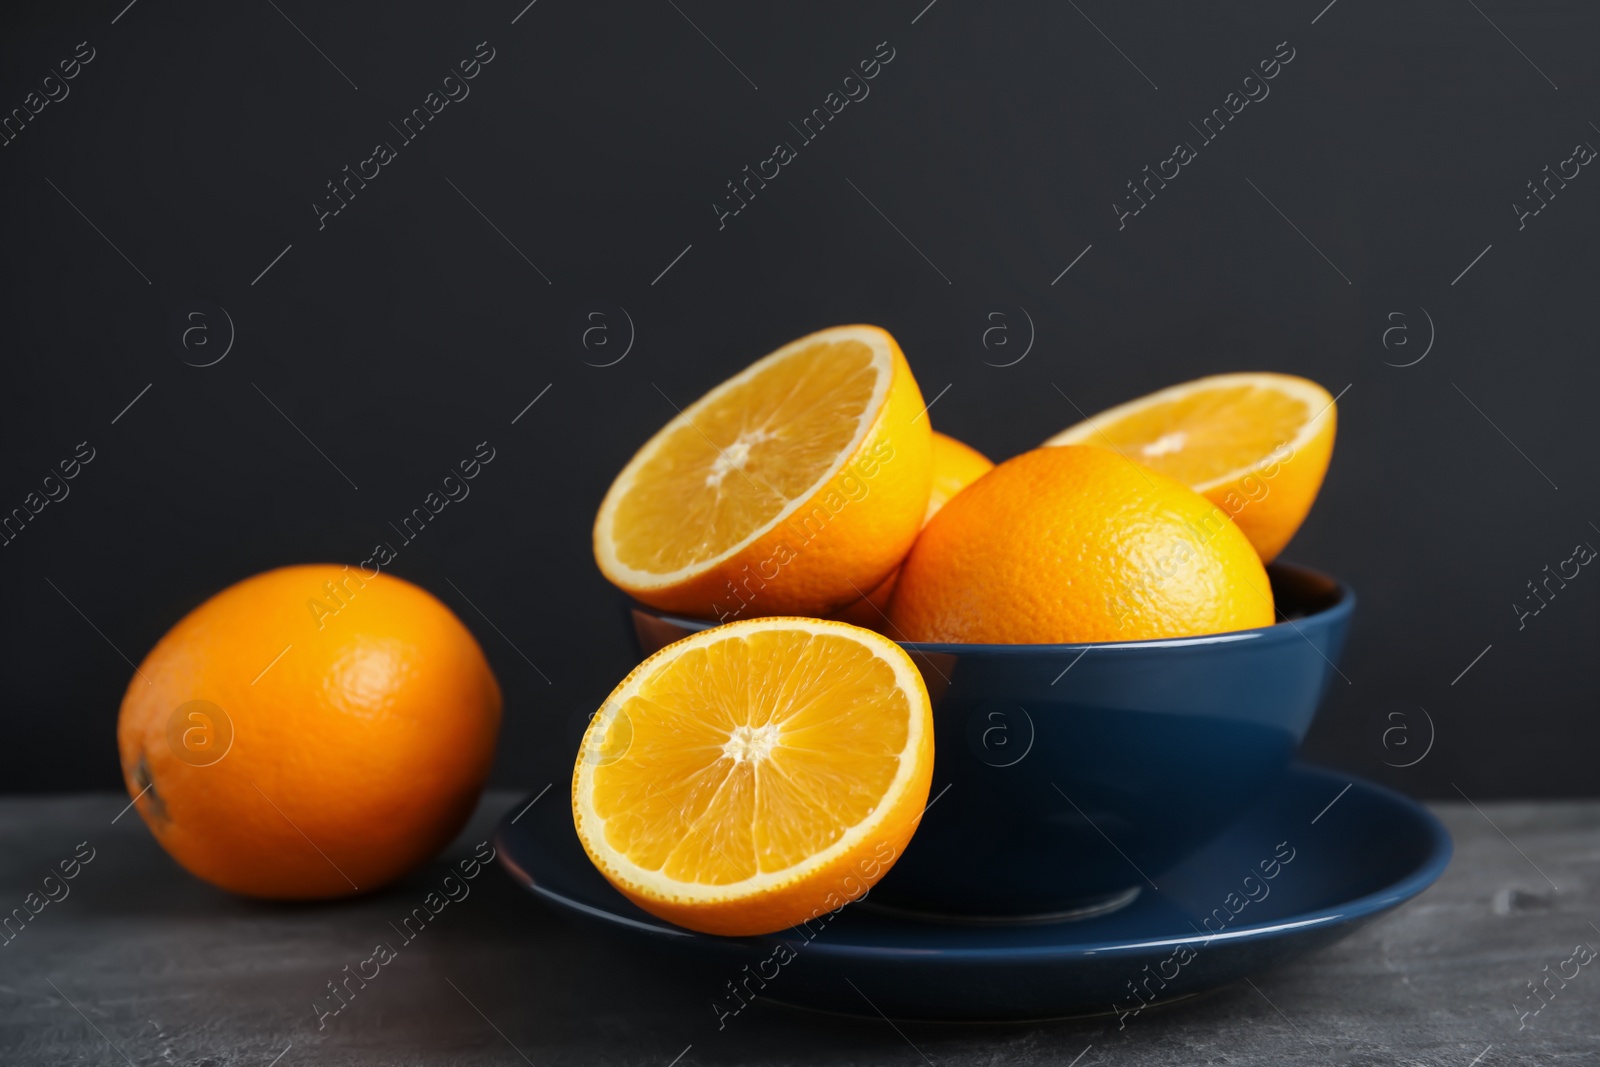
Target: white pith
(734, 457)
(1317, 401)
(1171, 442)
(752, 743)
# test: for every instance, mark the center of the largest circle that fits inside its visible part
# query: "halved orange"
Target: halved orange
(782, 491)
(757, 775)
(1255, 444)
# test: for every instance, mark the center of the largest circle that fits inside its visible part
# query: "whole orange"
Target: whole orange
(309, 732)
(1075, 543)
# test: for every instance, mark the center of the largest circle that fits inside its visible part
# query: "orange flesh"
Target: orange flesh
(760, 445)
(1201, 437)
(751, 755)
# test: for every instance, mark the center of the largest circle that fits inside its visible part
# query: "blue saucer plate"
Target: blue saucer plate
(1320, 855)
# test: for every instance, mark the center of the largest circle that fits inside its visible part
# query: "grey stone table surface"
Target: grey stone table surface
(139, 963)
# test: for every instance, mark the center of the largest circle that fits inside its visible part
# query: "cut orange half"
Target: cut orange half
(757, 775)
(791, 488)
(1255, 444)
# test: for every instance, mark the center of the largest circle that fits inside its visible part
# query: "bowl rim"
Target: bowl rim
(1338, 610)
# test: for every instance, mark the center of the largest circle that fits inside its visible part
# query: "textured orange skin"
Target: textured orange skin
(1273, 520)
(373, 734)
(847, 878)
(1075, 544)
(855, 549)
(956, 465)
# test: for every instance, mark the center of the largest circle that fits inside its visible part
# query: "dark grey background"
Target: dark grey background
(409, 329)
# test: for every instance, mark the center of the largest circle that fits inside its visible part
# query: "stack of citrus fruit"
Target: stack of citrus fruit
(757, 773)
(310, 733)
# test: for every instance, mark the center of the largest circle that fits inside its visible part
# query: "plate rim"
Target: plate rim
(1437, 856)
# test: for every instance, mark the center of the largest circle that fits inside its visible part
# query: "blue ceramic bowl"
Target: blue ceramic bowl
(1069, 777)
